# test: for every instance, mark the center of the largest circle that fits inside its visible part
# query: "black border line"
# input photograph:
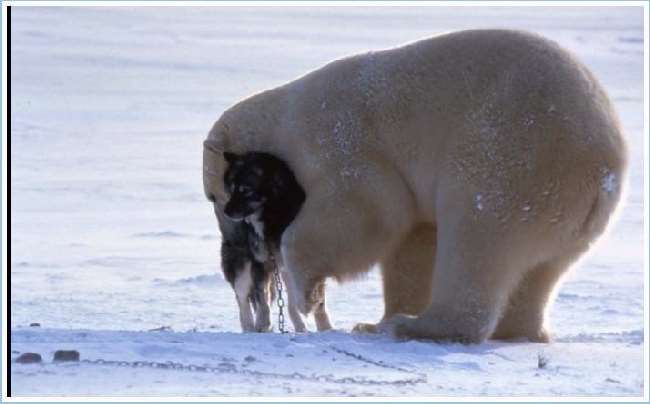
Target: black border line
(8, 134)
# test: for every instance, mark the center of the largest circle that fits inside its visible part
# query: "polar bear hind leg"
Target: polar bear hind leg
(497, 281)
(524, 316)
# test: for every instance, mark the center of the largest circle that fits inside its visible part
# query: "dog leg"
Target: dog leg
(263, 309)
(245, 315)
(243, 286)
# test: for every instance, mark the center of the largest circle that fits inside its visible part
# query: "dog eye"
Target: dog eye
(245, 189)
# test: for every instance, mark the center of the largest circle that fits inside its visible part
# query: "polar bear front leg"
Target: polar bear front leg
(321, 317)
(407, 273)
(474, 276)
(292, 307)
(338, 237)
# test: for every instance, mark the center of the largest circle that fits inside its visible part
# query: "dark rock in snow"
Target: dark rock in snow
(164, 328)
(29, 357)
(35, 324)
(66, 356)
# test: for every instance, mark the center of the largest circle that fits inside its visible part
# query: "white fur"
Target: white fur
(258, 225)
(393, 165)
(294, 313)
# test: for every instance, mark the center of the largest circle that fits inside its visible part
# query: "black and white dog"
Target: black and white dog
(264, 198)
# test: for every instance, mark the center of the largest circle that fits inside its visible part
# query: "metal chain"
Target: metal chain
(278, 286)
(380, 364)
(232, 369)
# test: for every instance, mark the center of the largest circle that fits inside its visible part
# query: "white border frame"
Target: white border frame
(328, 3)
(5, 185)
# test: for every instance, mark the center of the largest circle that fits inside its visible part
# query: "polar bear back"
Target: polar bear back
(507, 116)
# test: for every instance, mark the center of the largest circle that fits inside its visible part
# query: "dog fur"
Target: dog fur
(475, 167)
(250, 278)
(264, 197)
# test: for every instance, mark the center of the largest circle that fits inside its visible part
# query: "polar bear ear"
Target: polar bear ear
(214, 168)
(213, 145)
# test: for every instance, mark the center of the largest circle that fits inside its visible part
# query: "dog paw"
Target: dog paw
(266, 328)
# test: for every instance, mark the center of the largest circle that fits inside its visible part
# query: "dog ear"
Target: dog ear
(278, 188)
(278, 180)
(230, 157)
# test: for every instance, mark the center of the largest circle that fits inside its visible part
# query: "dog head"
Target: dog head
(253, 180)
(243, 182)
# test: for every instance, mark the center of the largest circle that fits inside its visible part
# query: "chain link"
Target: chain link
(380, 364)
(280, 302)
(232, 369)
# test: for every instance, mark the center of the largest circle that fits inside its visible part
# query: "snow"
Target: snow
(112, 237)
(329, 363)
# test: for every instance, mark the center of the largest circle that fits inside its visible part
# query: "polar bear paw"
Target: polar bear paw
(399, 326)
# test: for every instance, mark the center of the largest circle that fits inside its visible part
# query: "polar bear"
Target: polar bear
(474, 167)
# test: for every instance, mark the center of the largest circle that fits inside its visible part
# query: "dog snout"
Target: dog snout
(233, 213)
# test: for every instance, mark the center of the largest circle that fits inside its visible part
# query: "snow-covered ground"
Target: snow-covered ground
(111, 236)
